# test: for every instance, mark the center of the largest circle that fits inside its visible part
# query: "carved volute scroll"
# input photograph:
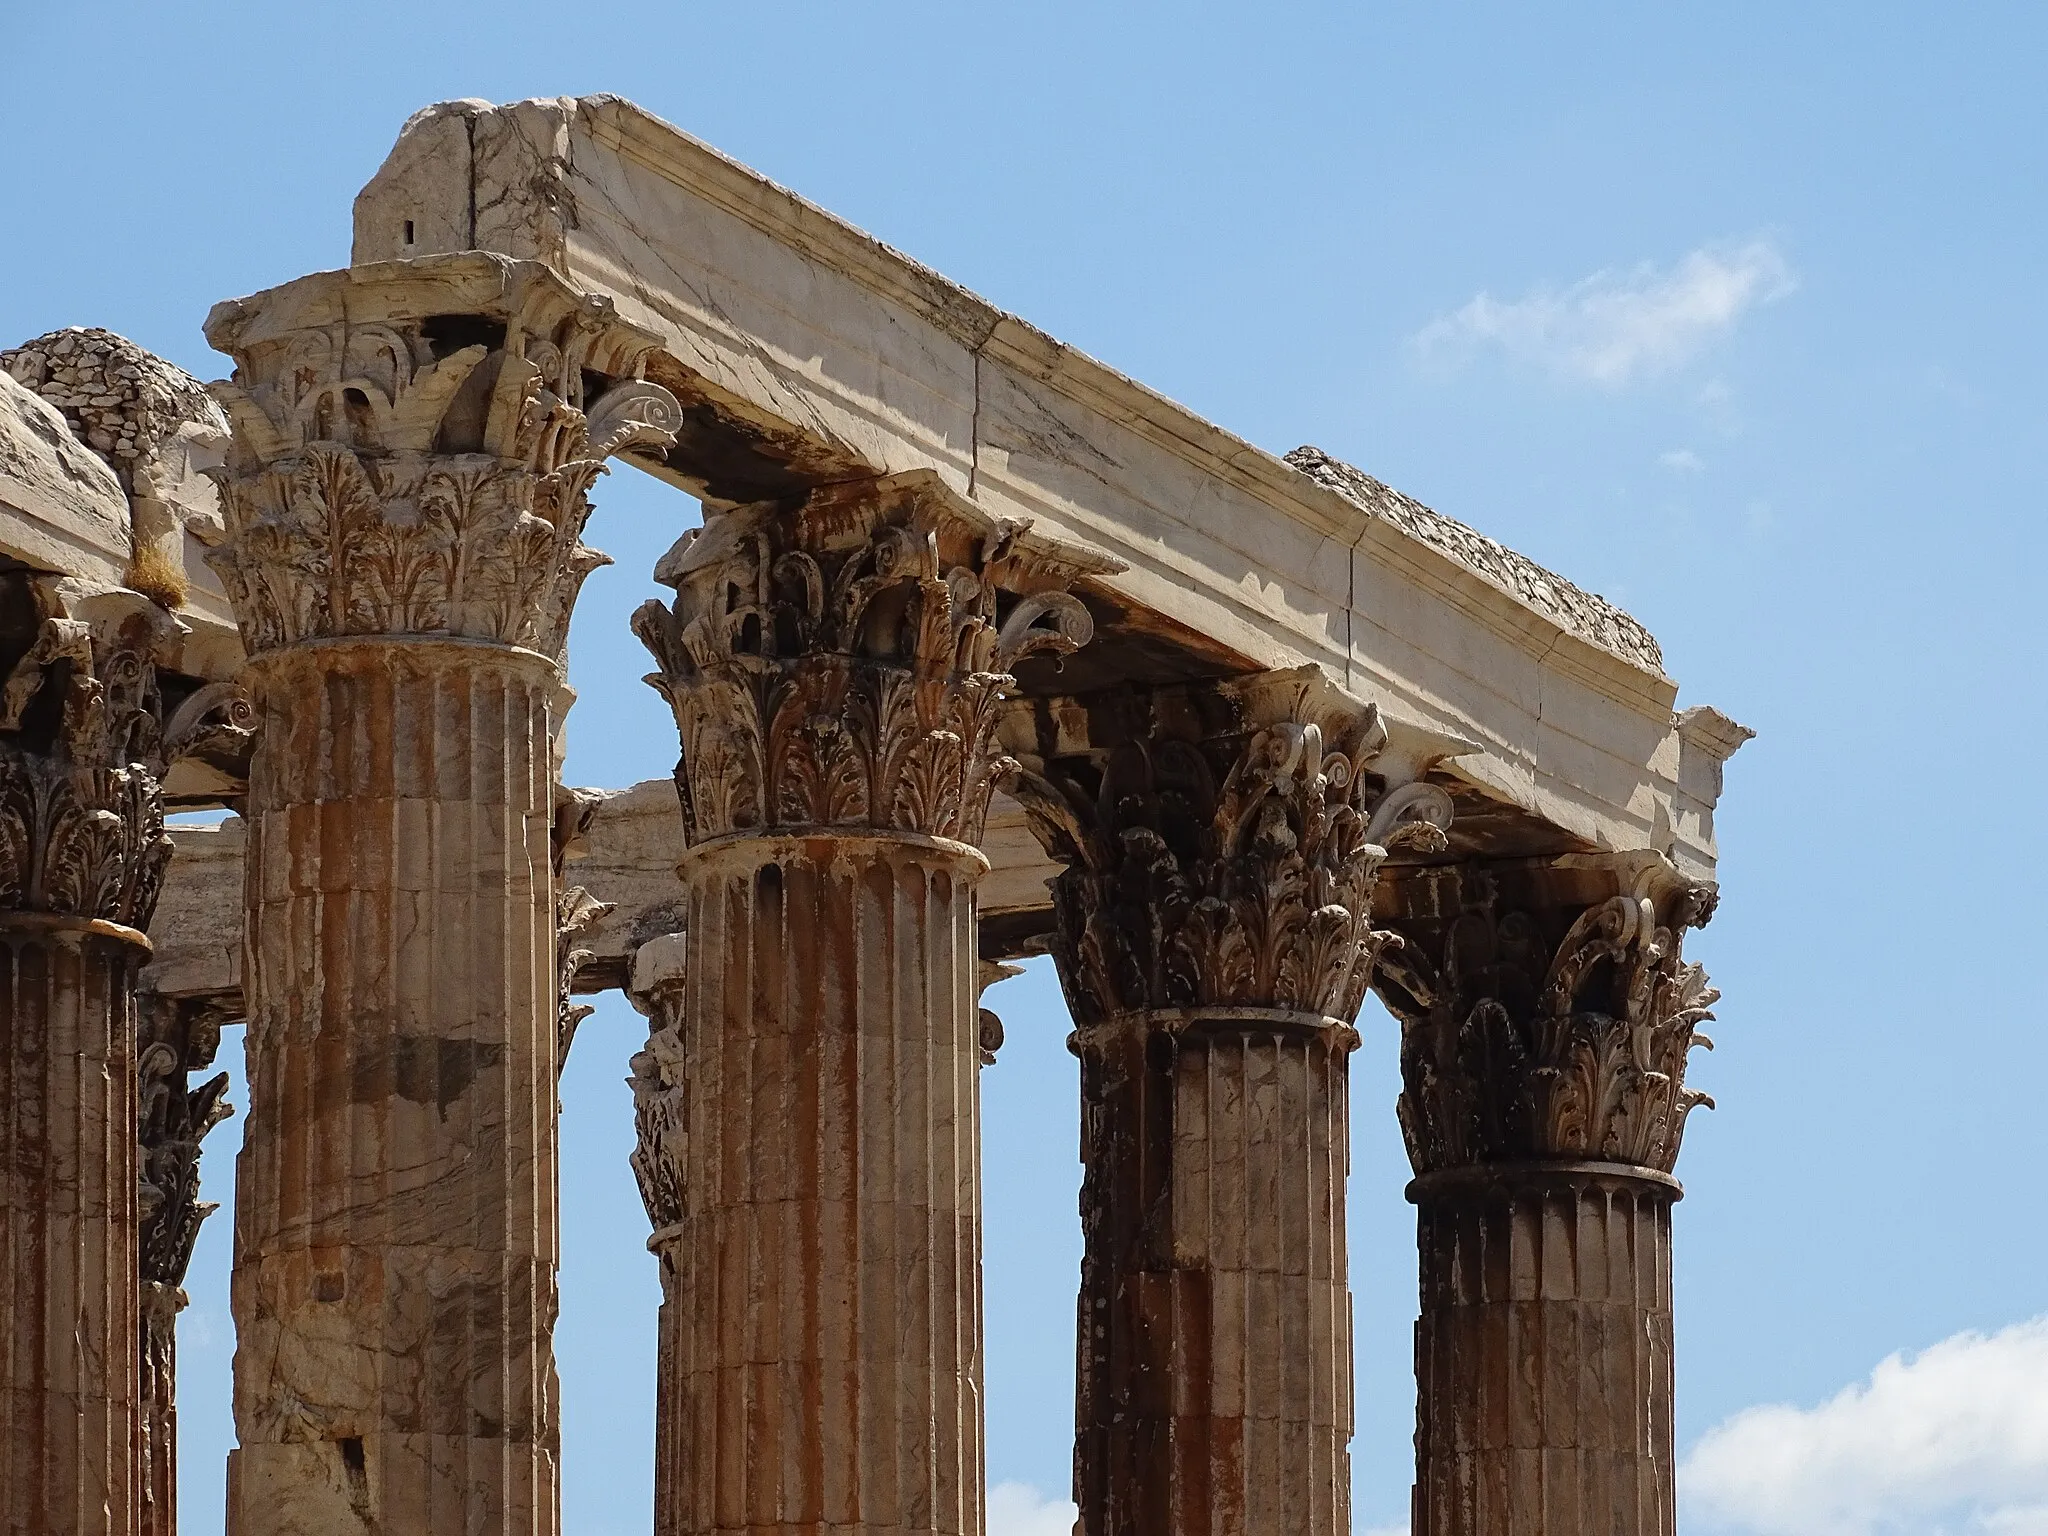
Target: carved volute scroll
(660, 1096)
(839, 663)
(175, 1038)
(1221, 844)
(1547, 1011)
(82, 752)
(414, 444)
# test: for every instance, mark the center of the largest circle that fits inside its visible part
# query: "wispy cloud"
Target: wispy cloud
(1949, 1441)
(1617, 326)
(1683, 460)
(1018, 1509)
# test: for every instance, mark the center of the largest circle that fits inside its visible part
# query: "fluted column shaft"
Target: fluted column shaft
(157, 1429)
(1546, 1016)
(812, 1136)
(1543, 1352)
(1215, 1316)
(68, 1371)
(403, 507)
(828, 1370)
(1221, 844)
(395, 1224)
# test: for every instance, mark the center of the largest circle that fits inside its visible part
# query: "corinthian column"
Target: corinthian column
(82, 853)
(412, 448)
(1546, 1015)
(661, 1123)
(835, 670)
(1222, 844)
(175, 1037)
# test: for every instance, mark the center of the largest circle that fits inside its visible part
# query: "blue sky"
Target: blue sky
(1734, 314)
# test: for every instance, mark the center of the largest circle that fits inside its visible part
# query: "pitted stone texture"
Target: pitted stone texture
(125, 402)
(159, 430)
(806, 352)
(68, 1348)
(827, 1363)
(82, 854)
(1546, 1015)
(1543, 1355)
(1579, 612)
(62, 508)
(1215, 1310)
(1213, 934)
(395, 1223)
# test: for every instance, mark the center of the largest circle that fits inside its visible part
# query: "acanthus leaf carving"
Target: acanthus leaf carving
(660, 1091)
(576, 912)
(387, 482)
(82, 754)
(175, 1038)
(1541, 1030)
(841, 663)
(1222, 854)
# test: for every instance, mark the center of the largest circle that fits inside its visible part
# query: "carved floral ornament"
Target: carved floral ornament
(839, 663)
(1519, 1045)
(85, 740)
(660, 1084)
(177, 1037)
(416, 472)
(1224, 852)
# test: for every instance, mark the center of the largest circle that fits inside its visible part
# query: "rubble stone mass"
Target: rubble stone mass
(982, 651)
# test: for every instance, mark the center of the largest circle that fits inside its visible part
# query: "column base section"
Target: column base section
(1543, 1354)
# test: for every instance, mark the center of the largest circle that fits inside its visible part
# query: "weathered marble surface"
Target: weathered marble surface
(1547, 1013)
(627, 857)
(61, 507)
(806, 351)
(402, 513)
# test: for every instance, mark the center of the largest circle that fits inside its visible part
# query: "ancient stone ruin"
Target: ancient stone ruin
(983, 651)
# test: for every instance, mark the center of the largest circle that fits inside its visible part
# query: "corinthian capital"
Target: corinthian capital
(1546, 1010)
(1221, 842)
(839, 663)
(413, 447)
(82, 751)
(175, 1038)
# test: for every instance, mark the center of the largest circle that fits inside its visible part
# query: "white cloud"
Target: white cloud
(1614, 326)
(1950, 1441)
(1018, 1509)
(1682, 460)
(1387, 1530)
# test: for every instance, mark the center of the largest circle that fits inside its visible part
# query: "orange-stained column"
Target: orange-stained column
(1546, 1015)
(82, 853)
(835, 670)
(412, 448)
(1222, 842)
